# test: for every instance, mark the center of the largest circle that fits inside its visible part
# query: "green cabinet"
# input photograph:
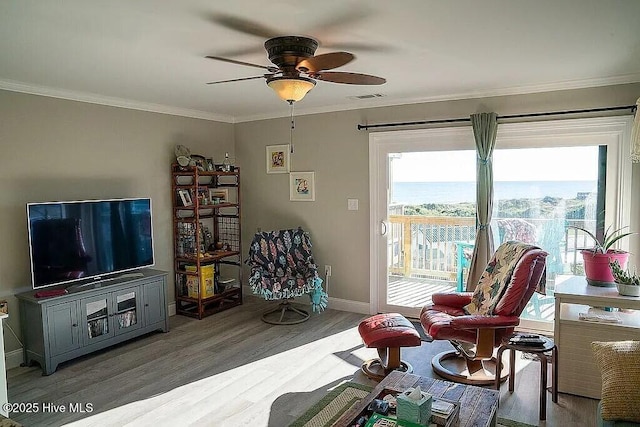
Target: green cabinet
(62, 327)
(91, 317)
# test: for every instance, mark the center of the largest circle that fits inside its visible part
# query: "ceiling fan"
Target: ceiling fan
(296, 67)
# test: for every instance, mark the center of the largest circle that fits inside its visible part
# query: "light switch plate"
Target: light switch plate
(352, 204)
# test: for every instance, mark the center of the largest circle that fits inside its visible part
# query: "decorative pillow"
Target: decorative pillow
(496, 277)
(619, 364)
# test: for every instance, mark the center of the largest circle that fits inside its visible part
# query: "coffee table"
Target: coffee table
(478, 406)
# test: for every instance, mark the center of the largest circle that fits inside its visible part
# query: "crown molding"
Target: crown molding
(92, 98)
(515, 90)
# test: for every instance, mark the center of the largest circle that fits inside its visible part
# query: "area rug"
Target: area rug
(333, 405)
(339, 400)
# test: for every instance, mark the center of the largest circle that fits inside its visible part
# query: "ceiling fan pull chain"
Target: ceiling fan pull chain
(292, 126)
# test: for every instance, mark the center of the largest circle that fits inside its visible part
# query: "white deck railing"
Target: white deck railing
(439, 247)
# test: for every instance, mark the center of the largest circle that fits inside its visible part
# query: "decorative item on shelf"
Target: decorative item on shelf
(210, 166)
(278, 158)
(223, 284)
(200, 162)
(628, 284)
(183, 156)
(185, 197)
(414, 406)
(597, 258)
(219, 195)
(226, 164)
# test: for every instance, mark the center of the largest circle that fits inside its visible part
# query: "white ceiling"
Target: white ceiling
(150, 54)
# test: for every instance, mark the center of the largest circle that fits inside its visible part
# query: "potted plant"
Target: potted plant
(628, 284)
(597, 258)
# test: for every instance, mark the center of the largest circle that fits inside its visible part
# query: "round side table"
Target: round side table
(540, 350)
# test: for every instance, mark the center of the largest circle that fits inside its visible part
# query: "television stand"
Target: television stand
(90, 318)
(130, 275)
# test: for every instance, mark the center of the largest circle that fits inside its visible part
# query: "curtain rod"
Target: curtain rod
(512, 116)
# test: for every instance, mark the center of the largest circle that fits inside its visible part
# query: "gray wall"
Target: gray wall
(55, 149)
(63, 150)
(331, 145)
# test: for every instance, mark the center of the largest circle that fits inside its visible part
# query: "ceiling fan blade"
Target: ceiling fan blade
(240, 79)
(248, 64)
(243, 25)
(349, 78)
(325, 61)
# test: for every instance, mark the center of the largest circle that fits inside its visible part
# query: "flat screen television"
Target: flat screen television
(87, 240)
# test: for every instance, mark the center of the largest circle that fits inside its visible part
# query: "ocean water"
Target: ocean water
(416, 193)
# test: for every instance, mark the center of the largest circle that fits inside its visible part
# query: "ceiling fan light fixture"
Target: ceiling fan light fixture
(291, 89)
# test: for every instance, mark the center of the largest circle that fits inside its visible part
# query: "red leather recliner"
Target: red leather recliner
(476, 336)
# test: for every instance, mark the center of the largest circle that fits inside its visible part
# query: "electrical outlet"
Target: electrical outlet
(327, 270)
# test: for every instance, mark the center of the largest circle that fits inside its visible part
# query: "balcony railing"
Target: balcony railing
(430, 247)
(425, 247)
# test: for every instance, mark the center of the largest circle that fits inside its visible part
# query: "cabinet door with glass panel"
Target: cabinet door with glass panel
(109, 314)
(127, 310)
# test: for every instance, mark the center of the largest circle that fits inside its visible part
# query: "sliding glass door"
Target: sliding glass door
(547, 176)
(538, 194)
(426, 213)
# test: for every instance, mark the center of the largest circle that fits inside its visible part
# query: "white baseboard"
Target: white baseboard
(348, 305)
(13, 359)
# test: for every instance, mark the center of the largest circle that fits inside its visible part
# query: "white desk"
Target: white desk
(579, 373)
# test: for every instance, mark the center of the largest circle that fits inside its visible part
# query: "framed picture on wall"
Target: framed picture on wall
(302, 186)
(278, 158)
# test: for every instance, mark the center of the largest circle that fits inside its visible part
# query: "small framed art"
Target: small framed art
(278, 158)
(185, 197)
(302, 186)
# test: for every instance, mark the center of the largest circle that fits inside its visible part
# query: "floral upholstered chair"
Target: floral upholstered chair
(282, 268)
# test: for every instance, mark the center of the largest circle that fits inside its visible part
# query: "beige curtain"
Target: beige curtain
(485, 128)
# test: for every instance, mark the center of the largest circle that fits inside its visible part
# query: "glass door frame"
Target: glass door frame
(381, 144)
(614, 132)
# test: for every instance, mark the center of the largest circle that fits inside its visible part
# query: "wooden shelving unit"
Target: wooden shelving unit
(207, 245)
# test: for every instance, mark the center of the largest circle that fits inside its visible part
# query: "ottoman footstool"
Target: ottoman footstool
(387, 333)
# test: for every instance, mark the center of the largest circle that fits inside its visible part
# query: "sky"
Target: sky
(525, 164)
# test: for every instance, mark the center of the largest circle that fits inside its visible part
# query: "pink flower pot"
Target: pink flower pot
(597, 269)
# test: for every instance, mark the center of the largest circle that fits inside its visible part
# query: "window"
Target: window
(565, 150)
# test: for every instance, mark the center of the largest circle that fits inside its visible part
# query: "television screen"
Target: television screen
(73, 241)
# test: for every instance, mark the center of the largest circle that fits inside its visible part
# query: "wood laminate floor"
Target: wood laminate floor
(232, 369)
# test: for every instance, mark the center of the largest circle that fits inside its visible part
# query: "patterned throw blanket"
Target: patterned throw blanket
(283, 267)
(496, 277)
